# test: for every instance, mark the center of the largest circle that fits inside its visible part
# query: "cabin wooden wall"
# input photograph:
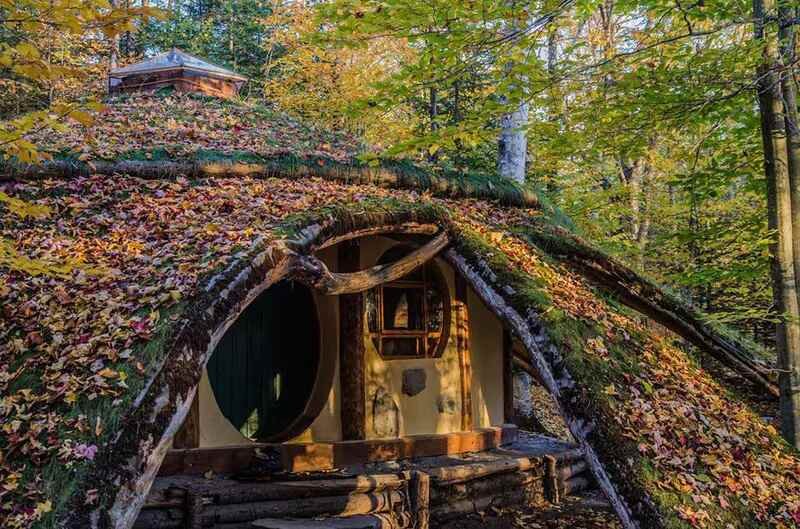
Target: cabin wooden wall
(182, 81)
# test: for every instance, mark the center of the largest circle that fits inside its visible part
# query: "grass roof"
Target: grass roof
(110, 286)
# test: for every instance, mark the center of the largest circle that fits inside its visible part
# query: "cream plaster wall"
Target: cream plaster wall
(486, 349)
(437, 409)
(215, 429)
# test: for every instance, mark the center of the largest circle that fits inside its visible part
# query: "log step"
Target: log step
(372, 521)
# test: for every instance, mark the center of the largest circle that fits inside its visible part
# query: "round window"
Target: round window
(264, 371)
(410, 317)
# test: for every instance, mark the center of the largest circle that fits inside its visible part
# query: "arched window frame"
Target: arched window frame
(432, 277)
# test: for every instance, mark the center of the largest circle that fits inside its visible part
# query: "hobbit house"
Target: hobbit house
(231, 322)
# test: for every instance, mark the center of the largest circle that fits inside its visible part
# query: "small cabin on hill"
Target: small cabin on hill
(178, 69)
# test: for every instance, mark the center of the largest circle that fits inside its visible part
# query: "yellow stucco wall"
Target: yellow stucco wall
(437, 409)
(486, 348)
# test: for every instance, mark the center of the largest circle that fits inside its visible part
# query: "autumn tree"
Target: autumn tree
(454, 43)
(333, 86)
(777, 104)
(40, 50)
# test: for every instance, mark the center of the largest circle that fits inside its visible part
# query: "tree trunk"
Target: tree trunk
(351, 350)
(311, 271)
(776, 167)
(113, 60)
(786, 36)
(433, 112)
(513, 145)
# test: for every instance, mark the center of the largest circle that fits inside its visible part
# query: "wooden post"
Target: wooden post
(351, 349)
(508, 378)
(419, 496)
(193, 510)
(188, 436)
(462, 345)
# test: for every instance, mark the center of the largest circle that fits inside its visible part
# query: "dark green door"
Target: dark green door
(264, 369)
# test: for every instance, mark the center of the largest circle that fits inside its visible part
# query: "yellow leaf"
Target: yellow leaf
(24, 209)
(44, 507)
(84, 118)
(107, 373)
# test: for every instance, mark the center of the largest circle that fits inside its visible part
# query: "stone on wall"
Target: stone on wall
(447, 404)
(413, 381)
(385, 414)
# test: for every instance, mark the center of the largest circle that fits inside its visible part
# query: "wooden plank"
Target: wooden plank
(215, 515)
(462, 346)
(360, 521)
(307, 457)
(172, 492)
(462, 473)
(351, 349)
(189, 434)
(531, 481)
(310, 457)
(508, 377)
(362, 503)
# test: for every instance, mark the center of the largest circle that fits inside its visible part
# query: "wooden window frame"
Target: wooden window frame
(424, 335)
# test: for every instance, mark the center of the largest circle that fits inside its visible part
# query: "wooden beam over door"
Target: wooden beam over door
(311, 271)
(351, 349)
(462, 345)
(508, 377)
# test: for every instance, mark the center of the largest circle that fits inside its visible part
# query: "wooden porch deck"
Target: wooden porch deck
(420, 492)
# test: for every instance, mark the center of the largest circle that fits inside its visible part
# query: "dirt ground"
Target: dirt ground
(588, 511)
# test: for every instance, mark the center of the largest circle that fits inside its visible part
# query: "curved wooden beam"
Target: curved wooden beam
(407, 228)
(649, 299)
(310, 270)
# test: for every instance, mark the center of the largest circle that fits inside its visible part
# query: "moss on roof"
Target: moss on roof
(110, 286)
(155, 135)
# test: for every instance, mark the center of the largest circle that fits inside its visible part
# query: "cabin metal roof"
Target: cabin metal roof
(175, 59)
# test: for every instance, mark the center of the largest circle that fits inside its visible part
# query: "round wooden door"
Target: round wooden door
(264, 371)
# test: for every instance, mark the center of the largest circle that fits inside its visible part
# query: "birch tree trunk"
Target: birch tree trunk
(513, 145)
(779, 191)
(113, 60)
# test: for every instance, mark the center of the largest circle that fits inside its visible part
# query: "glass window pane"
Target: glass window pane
(403, 308)
(372, 310)
(435, 307)
(397, 347)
